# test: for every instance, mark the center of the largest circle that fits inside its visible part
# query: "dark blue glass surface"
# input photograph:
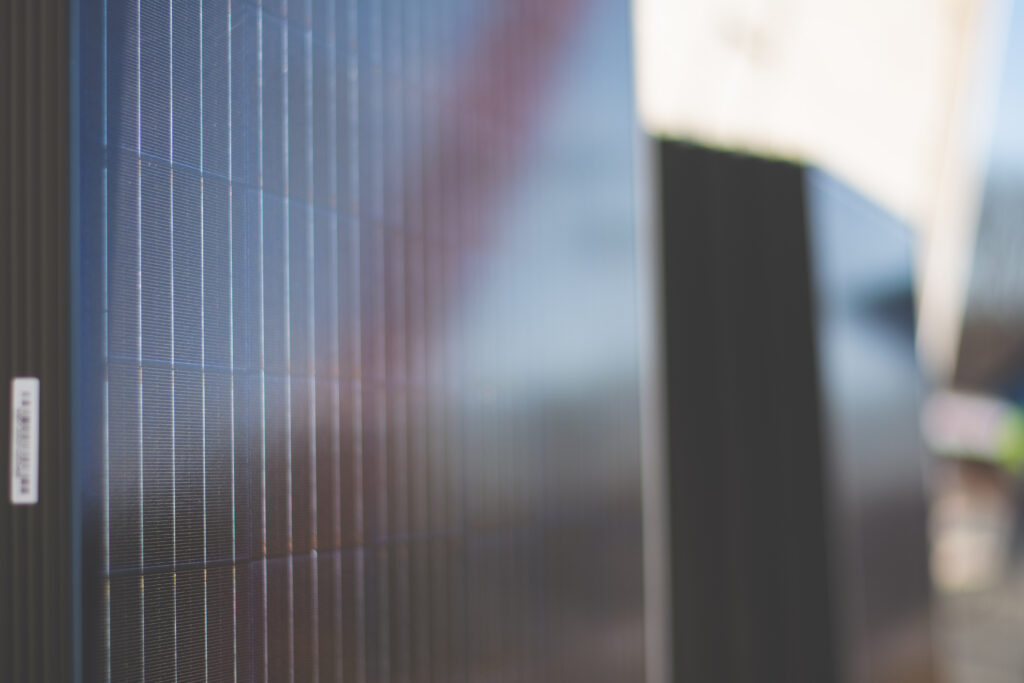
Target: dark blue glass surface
(356, 391)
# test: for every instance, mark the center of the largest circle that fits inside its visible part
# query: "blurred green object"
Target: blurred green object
(1010, 444)
(975, 427)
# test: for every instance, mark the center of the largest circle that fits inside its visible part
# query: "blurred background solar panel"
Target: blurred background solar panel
(359, 401)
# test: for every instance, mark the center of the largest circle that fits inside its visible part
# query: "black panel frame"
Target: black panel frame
(36, 559)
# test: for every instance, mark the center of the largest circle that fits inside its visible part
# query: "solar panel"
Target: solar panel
(359, 395)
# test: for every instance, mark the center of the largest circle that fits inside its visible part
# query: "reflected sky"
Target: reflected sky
(1007, 145)
(558, 283)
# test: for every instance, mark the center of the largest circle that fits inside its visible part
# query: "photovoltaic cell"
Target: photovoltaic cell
(368, 373)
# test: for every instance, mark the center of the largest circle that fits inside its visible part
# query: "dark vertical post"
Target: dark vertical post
(750, 598)
(795, 511)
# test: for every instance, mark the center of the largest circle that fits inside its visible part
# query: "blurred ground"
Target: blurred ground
(978, 567)
(981, 633)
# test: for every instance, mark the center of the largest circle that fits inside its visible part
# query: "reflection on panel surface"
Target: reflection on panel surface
(357, 378)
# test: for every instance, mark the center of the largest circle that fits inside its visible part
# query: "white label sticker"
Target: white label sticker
(25, 440)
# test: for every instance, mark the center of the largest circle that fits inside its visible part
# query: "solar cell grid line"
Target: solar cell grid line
(483, 627)
(470, 409)
(374, 549)
(104, 657)
(313, 271)
(456, 350)
(331, 640)
(173, 368)
(141, 449)
(202, 351)
(286, 670)
(437, 604)
(385, 548)
(456, 389)
(412, 183)
(413, 221)
(304, 316)
(354, 667)
(395, 336)
(398, 613)
(264, 612)
(227, 57)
